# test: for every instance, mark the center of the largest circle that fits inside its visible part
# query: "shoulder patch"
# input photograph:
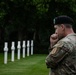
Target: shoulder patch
(53, 51)
(56, 47)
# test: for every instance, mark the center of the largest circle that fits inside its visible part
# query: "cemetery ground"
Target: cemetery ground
(32, 65)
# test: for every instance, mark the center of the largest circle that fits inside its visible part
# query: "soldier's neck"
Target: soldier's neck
(69, 31)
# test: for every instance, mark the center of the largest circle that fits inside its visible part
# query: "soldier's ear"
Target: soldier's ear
(63, 27)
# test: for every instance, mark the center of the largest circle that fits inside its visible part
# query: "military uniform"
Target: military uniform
(62, 58)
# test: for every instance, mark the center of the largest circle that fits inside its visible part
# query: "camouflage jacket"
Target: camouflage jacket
(62, 58)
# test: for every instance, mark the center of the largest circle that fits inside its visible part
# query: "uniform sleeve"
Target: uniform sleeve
(60, 51)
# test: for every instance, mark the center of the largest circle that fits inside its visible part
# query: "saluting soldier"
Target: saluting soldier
(62, 57)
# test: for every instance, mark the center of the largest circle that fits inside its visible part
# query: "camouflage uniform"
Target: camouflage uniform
(62, 58)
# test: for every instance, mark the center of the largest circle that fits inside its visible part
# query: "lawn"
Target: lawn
(32, 65)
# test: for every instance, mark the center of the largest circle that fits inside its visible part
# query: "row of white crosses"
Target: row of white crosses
(18, 50)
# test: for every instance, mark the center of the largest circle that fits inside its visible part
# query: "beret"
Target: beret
(63, 20)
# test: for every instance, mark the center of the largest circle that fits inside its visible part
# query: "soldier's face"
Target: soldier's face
(59, 30)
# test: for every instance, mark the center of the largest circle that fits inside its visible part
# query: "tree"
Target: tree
(32, 19)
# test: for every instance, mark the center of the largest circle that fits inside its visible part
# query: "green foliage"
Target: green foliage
(33, 16)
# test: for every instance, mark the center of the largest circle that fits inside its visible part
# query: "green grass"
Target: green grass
(32, 65)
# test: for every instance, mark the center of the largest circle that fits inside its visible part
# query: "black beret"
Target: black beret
(63, 20)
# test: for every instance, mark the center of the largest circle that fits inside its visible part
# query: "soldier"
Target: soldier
(62, 58)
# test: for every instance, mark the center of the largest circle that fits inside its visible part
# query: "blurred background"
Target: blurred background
(32, 20)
